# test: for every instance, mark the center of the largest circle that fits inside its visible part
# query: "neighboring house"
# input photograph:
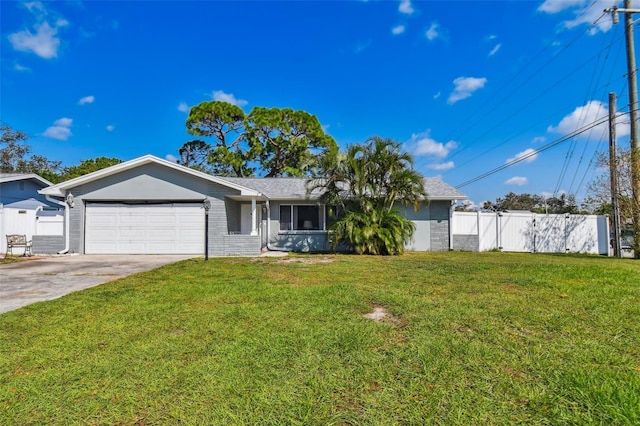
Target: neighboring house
(150, 206)
(24, 211)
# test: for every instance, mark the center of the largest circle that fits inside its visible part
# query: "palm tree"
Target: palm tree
(366, 184)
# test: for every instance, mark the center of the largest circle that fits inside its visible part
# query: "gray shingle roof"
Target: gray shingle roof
(283, 188)
(438, 190)
(287, 188)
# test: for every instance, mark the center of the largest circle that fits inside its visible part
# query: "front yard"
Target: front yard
(470, 338)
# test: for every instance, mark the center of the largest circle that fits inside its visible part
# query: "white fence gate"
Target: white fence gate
(535, 233)
(29, 222)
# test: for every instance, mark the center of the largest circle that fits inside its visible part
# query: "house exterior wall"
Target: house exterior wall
(432, 230)
(47, 244)
(11, 192)
(156, 183)
(439, 225)
(421, 240)
(297, 241)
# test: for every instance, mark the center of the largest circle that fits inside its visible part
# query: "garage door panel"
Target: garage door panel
(132, 234)
(144, 229)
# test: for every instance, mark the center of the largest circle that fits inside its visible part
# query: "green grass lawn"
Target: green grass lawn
(474, 338)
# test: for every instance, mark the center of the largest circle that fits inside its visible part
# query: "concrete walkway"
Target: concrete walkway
(46, 278)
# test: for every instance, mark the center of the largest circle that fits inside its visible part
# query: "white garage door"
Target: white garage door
(144, 228)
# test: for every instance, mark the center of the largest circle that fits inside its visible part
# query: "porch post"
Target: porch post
(254, 230)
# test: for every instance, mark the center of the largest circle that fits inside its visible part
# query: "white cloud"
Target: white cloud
(21, 68)
(43, 40)
(219, 95)
(585, 115)
(433, 32)
(171, 158)
(43, 43)
(464, 88)
(64, 121)
(555, 6)
(539, 139)
(35, 7)
(406, 7)
(423, 144)
(110, 128)
(437, 95)
(183, 107)
(517, 181)
(60, 129)
(495, 49)
(442, 166)
(87, 100)
(584, 12)
(529, 155)
(398, 29)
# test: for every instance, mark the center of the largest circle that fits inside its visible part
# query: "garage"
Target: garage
(130, 228)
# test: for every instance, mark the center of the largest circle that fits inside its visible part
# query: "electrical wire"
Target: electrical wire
(535, 152)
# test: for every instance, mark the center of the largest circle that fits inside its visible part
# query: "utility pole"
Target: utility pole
(613, 172)
(633, 111)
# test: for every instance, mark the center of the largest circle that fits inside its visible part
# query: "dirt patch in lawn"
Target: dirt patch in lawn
(380, 313)
(306, 260)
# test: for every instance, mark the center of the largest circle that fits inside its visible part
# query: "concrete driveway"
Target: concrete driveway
(47, 278)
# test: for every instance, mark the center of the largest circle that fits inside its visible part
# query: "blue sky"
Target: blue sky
(466, 86)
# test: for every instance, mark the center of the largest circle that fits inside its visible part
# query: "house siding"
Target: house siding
(47, 244)
(218, 218)
(11, 192)
(466, 242)
(296, 241)
(233, 216)
(241, 245)
(439, 225)
(421, 240)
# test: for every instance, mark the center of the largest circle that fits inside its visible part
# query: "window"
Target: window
(300, 218)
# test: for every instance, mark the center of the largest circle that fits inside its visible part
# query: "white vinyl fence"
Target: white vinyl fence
(531, 232)
(29, 222)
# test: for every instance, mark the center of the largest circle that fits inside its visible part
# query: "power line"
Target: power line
(535, 152)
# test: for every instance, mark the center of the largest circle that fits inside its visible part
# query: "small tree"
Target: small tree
(367, 183)
(598, 198)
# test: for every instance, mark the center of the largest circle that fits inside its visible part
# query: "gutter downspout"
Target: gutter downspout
(451, 210)
(66, 222)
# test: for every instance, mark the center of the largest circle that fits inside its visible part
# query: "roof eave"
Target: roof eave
(61, 188)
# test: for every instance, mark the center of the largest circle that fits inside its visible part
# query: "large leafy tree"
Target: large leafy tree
(367, 183)
(224, 122)
(195, 154)
(286, 142)
(268, 141)
(88, 166)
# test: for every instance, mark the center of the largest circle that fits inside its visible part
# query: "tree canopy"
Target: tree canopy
(16, 157)
(534, 203)
(598, 198)
(268, 141)
(88, 166)
(366, 184)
